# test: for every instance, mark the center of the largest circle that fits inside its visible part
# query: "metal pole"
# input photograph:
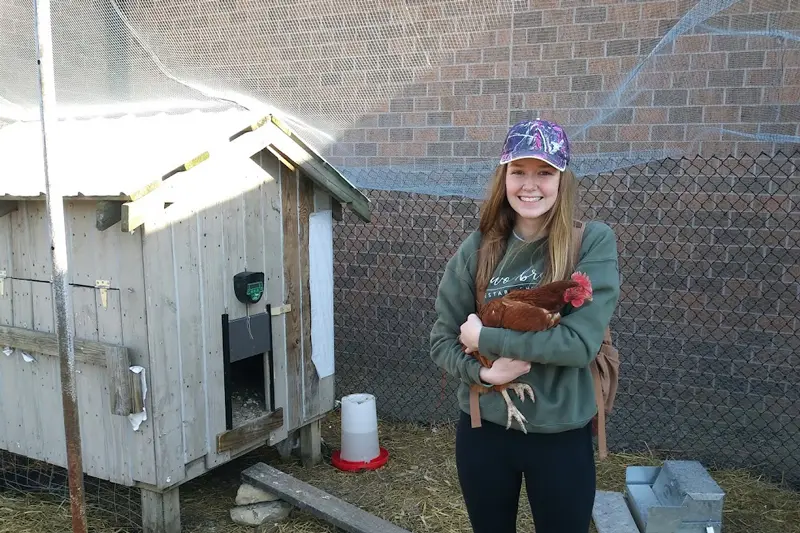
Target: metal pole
(58, 251)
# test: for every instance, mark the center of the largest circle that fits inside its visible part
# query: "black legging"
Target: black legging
(559, 474)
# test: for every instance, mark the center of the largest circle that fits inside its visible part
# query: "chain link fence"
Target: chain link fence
(706, 324)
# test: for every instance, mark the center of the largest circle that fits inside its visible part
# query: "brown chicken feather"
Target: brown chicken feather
(549, 297)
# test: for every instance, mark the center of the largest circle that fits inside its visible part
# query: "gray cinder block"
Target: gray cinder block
(679, 497)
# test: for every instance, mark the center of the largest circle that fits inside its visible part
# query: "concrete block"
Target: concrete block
(679, 497)
(611, 513)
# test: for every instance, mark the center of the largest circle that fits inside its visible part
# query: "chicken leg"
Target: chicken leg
(513, 413)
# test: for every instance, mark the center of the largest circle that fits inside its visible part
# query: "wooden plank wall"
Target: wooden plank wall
(117, 257)
(272, 242)
(308, 397)
(166, 390)
(190, 329)
(112, 450)
(8, 417)
(211, 277)
(102, 437)
(185, 272)
(222, 256)
(290, 195)
(30, 248)
(310, 388)
(247, 230)
(219, 228)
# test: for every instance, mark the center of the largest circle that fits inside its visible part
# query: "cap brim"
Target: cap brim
(558, 164)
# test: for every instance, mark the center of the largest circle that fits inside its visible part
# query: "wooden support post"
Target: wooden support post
(161, 511)
(311, 444)
(286, 446)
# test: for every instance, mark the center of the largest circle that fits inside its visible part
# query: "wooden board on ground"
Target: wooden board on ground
(317, 502)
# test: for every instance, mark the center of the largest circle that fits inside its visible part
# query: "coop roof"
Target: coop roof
(123, 158)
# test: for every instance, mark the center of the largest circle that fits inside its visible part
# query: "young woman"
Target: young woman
(526, 236)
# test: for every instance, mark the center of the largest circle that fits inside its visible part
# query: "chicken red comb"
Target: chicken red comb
(583, 292)
(583, 280)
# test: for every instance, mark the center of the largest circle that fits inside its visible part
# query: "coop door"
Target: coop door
(248, 367)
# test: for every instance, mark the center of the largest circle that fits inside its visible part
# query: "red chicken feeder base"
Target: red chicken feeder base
(356, 466)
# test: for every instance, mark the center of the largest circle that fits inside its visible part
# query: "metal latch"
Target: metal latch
(280, 309)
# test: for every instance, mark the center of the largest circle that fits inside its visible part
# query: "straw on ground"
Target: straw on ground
(417, 489)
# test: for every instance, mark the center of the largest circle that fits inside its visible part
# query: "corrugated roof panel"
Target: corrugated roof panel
(110, 157)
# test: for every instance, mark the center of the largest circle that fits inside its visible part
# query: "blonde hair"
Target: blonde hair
(497, 220)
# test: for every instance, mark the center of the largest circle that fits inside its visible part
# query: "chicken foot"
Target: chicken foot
(513, 413)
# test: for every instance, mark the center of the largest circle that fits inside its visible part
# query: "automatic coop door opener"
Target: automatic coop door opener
(247, 337)
(248, 286)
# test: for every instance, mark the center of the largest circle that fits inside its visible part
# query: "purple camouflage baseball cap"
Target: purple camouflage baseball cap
(539, 139)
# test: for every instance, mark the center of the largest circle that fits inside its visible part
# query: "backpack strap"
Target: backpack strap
(474, 390)
(602, 447)
(578, 227)
(474, 406)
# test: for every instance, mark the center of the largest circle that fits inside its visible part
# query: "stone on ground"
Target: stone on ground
(260, 513)
(248, 494)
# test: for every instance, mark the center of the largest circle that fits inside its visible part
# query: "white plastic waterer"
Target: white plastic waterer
(360, 447)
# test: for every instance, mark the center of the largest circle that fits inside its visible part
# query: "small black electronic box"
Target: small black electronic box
(248, 286)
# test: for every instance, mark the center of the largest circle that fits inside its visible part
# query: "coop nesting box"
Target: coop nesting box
(201, 269)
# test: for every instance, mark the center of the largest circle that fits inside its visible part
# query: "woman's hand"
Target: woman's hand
(504, 370)
(471, 333)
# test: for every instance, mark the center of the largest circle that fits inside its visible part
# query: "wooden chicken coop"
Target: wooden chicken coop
(201, 267)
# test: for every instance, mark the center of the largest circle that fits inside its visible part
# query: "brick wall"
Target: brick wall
(401, 83)
(706, 325)
(564, 61)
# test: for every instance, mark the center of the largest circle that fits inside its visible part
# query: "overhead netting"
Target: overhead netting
(668, 103)
(335, 67)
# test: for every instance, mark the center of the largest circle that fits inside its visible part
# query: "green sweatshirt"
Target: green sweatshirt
(559, 376)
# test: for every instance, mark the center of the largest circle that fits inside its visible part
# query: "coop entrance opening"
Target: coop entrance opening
(248, 367)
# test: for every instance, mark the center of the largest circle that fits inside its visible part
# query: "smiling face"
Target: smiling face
(531, 190)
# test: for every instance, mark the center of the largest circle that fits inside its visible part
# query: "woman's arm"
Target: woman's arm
(455, 300)
(576, 340)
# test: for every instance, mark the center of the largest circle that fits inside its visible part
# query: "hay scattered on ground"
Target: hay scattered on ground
(23, 513)
(418, 490)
